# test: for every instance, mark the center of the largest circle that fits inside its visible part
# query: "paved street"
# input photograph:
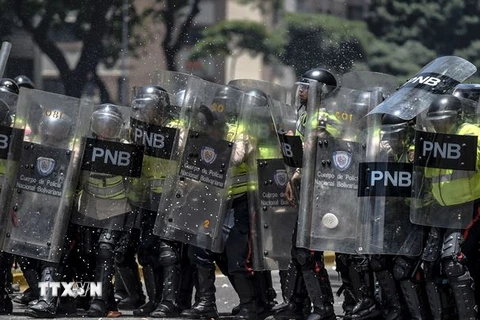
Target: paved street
(226, 299)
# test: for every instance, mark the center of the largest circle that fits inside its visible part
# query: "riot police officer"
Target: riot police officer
(53, 131)
(159, 258)
(102, 195)
(6, 259)
(237, 242)
(306, 277)
(444, 246)
(397, 142)
(29, 266)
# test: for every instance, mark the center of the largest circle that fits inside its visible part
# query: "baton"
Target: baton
(4, 53)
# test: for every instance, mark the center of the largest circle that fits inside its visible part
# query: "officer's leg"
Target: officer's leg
(170, 262)
(6, 305)
(430, 258)
(104, 270)
(29, 268)
(470, 248)
(148, 254)
(50, 276)
(297, 303)
(391, 305)
(407, 272)
(317, 283)
(187, 272)
(454, 266)
(264, 291)
(349, 302)
(363, 288)
(237, 251)
(127, 270)
(205, 305)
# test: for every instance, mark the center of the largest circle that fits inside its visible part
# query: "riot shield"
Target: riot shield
(445, 174)
(385, 184)
(329, 215)
(440, 76)
(108, 160)
(156, 116)
(42, 173)
(272, 217)
(195, 198)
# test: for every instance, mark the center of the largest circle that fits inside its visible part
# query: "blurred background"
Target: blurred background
(101, 49)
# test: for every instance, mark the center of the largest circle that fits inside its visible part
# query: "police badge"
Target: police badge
(208, 155)
(342, 160)
(45, 166)
(280, 177)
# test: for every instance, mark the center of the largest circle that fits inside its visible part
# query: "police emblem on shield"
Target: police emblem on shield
(342, 160)
(208, 155)
(45, 166)
(280, 177)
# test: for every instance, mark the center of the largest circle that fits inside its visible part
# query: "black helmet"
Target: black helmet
(468, 91)
(257, 97)
(393, 124)
(54, 130)
(24, 82)
(226, 103)
(150, 103)
(107, 121)
(319, 75)
(8, 85)
(5, 116)
(444, 107)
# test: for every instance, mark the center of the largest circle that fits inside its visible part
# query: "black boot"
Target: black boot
(246, 293)
(414, 300)
(104, 270)
(363, 289)
(29, 270)
(131, 280)
(6, 305)
(392, 305)
(46, 307)
(206, 306)
(168, 305)
(294, 293)
(320, 293)
(151, 283)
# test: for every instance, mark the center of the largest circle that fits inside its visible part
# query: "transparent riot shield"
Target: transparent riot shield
(156, 116)
(440, 76)
(329, 216)
(196, 190)
(385, 184)
(8, 104)
(108, 161)
(272, 217)
(42, 173)
(445, 188)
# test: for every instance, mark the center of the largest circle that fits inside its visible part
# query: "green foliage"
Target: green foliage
(402, 61)
(441, 27)
(302, 41)
(324, 40)
(229, 36)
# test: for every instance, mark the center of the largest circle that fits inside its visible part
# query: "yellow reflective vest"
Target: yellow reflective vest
(452, 187)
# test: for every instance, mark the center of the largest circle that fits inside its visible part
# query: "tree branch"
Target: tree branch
(41, 38)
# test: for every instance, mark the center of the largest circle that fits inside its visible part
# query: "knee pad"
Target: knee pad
(402, 268)
(453, 268)
(169, 255)
(201, 257)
